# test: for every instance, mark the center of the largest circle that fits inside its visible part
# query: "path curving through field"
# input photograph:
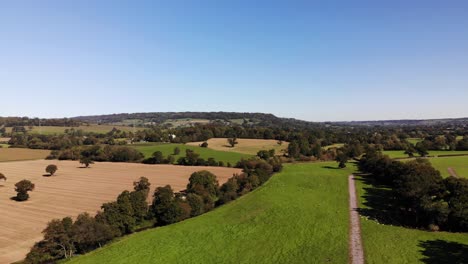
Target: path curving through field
(356, 252)
(452, 172)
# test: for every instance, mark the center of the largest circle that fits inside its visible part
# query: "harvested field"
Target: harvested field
(13, 154)
(246, 145)
(71, 191)
(4, 139)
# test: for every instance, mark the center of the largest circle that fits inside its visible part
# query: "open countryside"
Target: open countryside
(243, 132)
(71, 191)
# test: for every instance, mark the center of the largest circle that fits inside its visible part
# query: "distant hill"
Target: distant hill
(161, 117)
(408, 122)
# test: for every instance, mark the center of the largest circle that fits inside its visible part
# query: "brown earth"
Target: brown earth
(245, 145)
(12, 154)
(71, 191)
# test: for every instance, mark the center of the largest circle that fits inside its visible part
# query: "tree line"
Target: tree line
(419, 196)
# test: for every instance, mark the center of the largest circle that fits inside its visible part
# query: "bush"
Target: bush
(51, 169)
(22, 188)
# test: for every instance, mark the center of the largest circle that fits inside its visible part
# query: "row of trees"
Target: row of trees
(64, 238)
(419, 196)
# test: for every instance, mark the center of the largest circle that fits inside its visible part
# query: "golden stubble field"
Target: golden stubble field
(71, 191)
(245, 145)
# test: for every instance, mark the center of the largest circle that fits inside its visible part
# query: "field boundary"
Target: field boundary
(356, 252)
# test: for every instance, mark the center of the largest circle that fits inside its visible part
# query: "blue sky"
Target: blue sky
(334, 60)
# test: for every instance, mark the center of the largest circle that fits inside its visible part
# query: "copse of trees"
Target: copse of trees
(22, 188)
(421, 197)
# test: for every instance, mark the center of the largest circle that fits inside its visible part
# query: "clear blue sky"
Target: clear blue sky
(347, 60)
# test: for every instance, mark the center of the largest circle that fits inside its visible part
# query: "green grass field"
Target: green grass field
(396, 154)
(459, 164)
(299, 216)
(167, 149)
(337, 145)
(4, 145)
(50, 130)
(414, 140)
(393, 244)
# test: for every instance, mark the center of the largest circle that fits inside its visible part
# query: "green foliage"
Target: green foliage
(22, 188)
(51, 169)
(232, 141)
(165, 208)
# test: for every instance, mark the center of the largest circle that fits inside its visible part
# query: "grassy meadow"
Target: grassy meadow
(299, 216)
(459, 164)
(168, 149)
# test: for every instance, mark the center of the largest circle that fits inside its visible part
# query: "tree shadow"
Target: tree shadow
(443, 252)
(379, 201)
(47, 175)
(330, 167)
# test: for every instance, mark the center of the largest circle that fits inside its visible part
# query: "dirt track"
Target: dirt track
(452, 172)
(72, 191)
(356, 252)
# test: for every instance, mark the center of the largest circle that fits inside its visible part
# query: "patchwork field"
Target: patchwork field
(72, 191)
(395, 244)
(48, 130)
(458, 164)
(168, 149)
(13, 154)
(299, 216)
(246, 146)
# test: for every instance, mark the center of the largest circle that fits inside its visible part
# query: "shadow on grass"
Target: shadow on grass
(379, 202)
(443, 252)
(330, 167)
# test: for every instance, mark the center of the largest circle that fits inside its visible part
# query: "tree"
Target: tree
(410, 150)
(88, 234)
(204, 144)
(203, 182)
(232, 141)
(421, 149)
(293, 150)
(142, 184)
(86, 161)
(341, 158)
(22, 188)
(196, 204)
(165, 208)
(51, 169)
(57, 234)
(176, 151)
(3, 177)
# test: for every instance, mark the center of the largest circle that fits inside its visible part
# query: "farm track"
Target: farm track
(72, 191)
(356, 252)
(452, 172)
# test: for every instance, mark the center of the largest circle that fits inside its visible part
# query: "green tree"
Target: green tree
(22, 188)
(176, 151)
(88, 234)
(232, 141)
(51, 169)
(86, 161)
(165, 208)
